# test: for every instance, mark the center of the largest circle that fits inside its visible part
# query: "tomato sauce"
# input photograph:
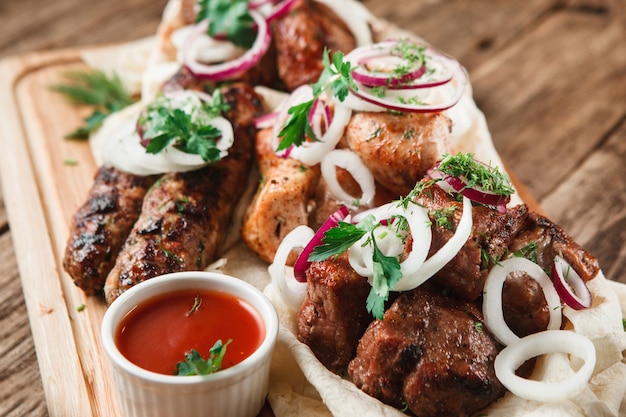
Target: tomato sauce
(158, 333)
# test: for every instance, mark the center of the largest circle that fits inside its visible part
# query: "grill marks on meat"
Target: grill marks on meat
(300, 38)
(333, 316)
(428, 353)
(185, 216)
(398, 148)
(100, 226)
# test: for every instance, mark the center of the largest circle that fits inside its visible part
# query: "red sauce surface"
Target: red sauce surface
(158, 333)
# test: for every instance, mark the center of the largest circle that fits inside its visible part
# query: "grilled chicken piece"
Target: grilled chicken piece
(185, 216)
(429, 353)
(300, 38)
(281, 202)
(100, 226)
(398, 148)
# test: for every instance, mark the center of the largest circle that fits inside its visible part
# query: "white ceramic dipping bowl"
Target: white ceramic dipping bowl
(238, 391)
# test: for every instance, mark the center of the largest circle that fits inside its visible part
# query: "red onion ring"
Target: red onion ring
(569, 285)
(230, 69)
(475, 194)
(302, 262)
(361, 74)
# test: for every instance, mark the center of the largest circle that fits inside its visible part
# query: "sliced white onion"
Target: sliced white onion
(444, 255)
(203, 48)
(549, 341)
(312, 153)
(234, 67)
(291, 291)
(492, 297)
(300, 95)
(350, 161)
(356, 16)
(360, 254)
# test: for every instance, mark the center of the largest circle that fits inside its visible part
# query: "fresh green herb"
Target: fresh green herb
(529, 251)
(375, 133)
(443, 217)
(195, 364)
(476, 174)
(478, 326)
(228, 17)
(186, 125)
(104, 93)
(70, 162)
(81, 307)
(336, 78)
(171, 255)
(197, 302)
(386, 269)
(386, 276)
(624, 324)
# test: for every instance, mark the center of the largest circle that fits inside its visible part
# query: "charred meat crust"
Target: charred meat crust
(100, 226)
(185, 216)
(427, 350)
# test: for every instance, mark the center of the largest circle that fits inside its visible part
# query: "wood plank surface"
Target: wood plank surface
(549, 75)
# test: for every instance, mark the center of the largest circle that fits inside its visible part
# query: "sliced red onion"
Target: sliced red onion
(365, 57)
(280, 10)
(232, 68)
(419, 91)
(266, 121)
(290, 290)
(569, 285)
(302, 262)
(492, 297)
(549, 341)
(475, 194)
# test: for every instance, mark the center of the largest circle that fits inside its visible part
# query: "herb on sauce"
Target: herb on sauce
(195, 364)
(104, 93)
(197, 302)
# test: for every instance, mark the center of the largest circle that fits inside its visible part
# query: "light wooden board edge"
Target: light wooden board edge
(75, 375)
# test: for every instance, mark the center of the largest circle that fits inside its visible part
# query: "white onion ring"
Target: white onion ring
(350, 161)
(300, 95)
(312, 153)
(291, 291)
(492, 297)
(226, 70)
(360, 255)
(356, 17)
(194, 40)
(444, 255)
(549, 341)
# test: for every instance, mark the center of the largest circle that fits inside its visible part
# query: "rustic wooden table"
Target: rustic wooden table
(550, 75)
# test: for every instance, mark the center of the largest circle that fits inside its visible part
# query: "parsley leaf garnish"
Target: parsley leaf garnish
(195, 364)
(230, 18)
(338, 239)
(185, 125)
(105, 93)
(336, 78)
(386, 276)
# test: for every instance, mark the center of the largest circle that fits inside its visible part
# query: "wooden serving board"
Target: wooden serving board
(45, 178)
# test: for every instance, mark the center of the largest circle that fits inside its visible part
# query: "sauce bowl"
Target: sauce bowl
(237, 391)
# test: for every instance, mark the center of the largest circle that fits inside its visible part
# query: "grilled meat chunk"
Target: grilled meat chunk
(431, 354)
(281, 202)
(333, 316)
(185, 216)
(492, 232)
(398, 148)
(100, 226)
(543, 240)
(300, 38)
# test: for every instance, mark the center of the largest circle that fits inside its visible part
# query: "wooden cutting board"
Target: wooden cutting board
(44, 179)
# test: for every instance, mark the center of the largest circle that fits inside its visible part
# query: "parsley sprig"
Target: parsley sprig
(195, 364)
(185, 125)
(335, 78)
(230, 18)
(386, 268)
(104, 93)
